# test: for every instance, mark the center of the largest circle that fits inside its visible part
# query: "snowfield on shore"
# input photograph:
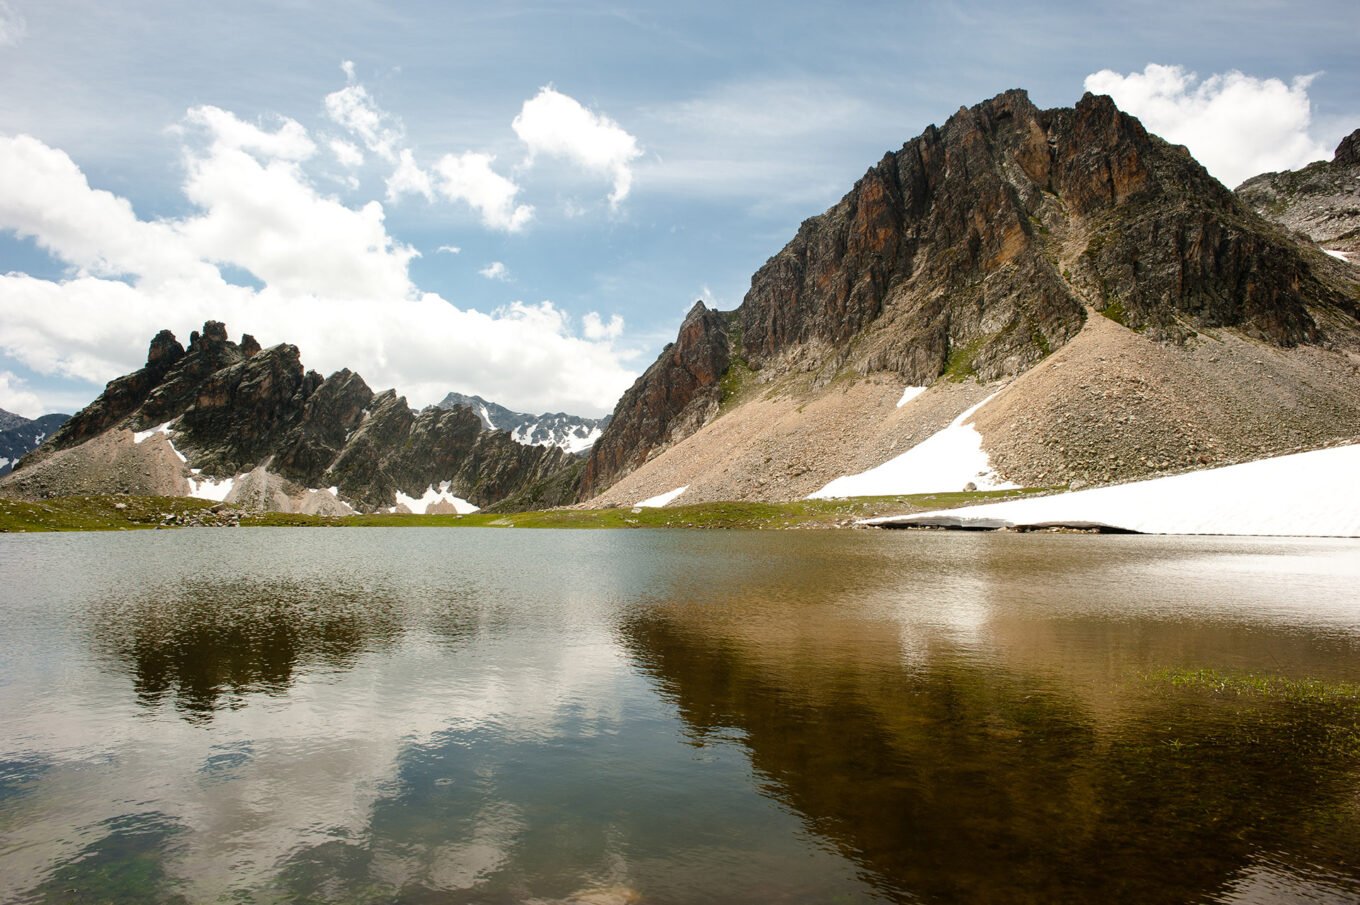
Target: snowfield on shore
(1312, 494)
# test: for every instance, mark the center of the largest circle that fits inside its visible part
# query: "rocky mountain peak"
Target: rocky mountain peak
(165, 350)
(679, 393)
(977, 249)
(1348, 152)
(285, 434)
(10, 420)
(697, 310)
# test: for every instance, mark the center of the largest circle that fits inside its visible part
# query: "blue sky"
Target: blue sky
(665, 151)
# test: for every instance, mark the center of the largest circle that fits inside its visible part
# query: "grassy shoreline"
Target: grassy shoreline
(123, 513)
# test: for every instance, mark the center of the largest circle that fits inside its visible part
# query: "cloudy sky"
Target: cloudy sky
(521, 200)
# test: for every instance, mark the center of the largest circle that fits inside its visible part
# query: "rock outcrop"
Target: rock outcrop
(976, 251)
(239, 411)
(1321, 201)
(676, 396)
(981, 245)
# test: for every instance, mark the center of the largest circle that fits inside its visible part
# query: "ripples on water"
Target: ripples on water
(606, 717)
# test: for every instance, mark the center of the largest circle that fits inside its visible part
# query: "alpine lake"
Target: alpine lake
(671, 716)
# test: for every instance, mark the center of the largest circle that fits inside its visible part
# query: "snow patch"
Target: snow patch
(140, 436)
(578, 443)
(163, 429)
(945, 461)
(909, 394)
(1312, 494)
(210, 489)
(1339, 255)
(3, 461)
(432, 497)
(656, 502)
(573, 441)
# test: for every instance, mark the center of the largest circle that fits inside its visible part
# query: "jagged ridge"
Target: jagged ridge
(234, 408)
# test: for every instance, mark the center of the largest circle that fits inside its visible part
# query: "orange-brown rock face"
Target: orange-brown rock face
(980, 247)
(676, 396)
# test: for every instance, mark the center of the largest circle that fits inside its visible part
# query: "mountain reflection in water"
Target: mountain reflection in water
(672, 717)
(209, 644)
(963, 781)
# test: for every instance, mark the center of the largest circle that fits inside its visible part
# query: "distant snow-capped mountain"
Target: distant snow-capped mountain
(571, 433)
(19, 436)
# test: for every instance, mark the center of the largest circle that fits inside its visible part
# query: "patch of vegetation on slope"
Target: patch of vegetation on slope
(113, 512)
(102, 514)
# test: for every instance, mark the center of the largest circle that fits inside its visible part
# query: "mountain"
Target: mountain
(9, 420)
(19, 436)
(1022, 295)
(233, 421)
(570, 433)
(1321, 201)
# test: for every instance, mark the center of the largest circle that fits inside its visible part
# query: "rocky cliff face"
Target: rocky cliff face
(978, 249)
(230, 409)
(1321, 201)
(988, 239)
(676, 396)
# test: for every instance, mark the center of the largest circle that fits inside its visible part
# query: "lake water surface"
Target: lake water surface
(410, 715)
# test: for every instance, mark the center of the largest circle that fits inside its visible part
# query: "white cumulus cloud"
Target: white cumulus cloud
(594, 327)
(266, 217)
(334, 282)
(469, 177)
(289, 142)
(554, 124)
(17, 398)
(353, 108)
(346, 153)
(44, 196)
(409, 179)
(496, 271)
(1237, 125)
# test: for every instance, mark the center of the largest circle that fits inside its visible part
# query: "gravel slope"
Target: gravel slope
(1109, 406)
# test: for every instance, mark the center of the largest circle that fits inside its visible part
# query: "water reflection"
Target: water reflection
(207, 645)
(496, 717)
(124, 864)
(957, 778)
